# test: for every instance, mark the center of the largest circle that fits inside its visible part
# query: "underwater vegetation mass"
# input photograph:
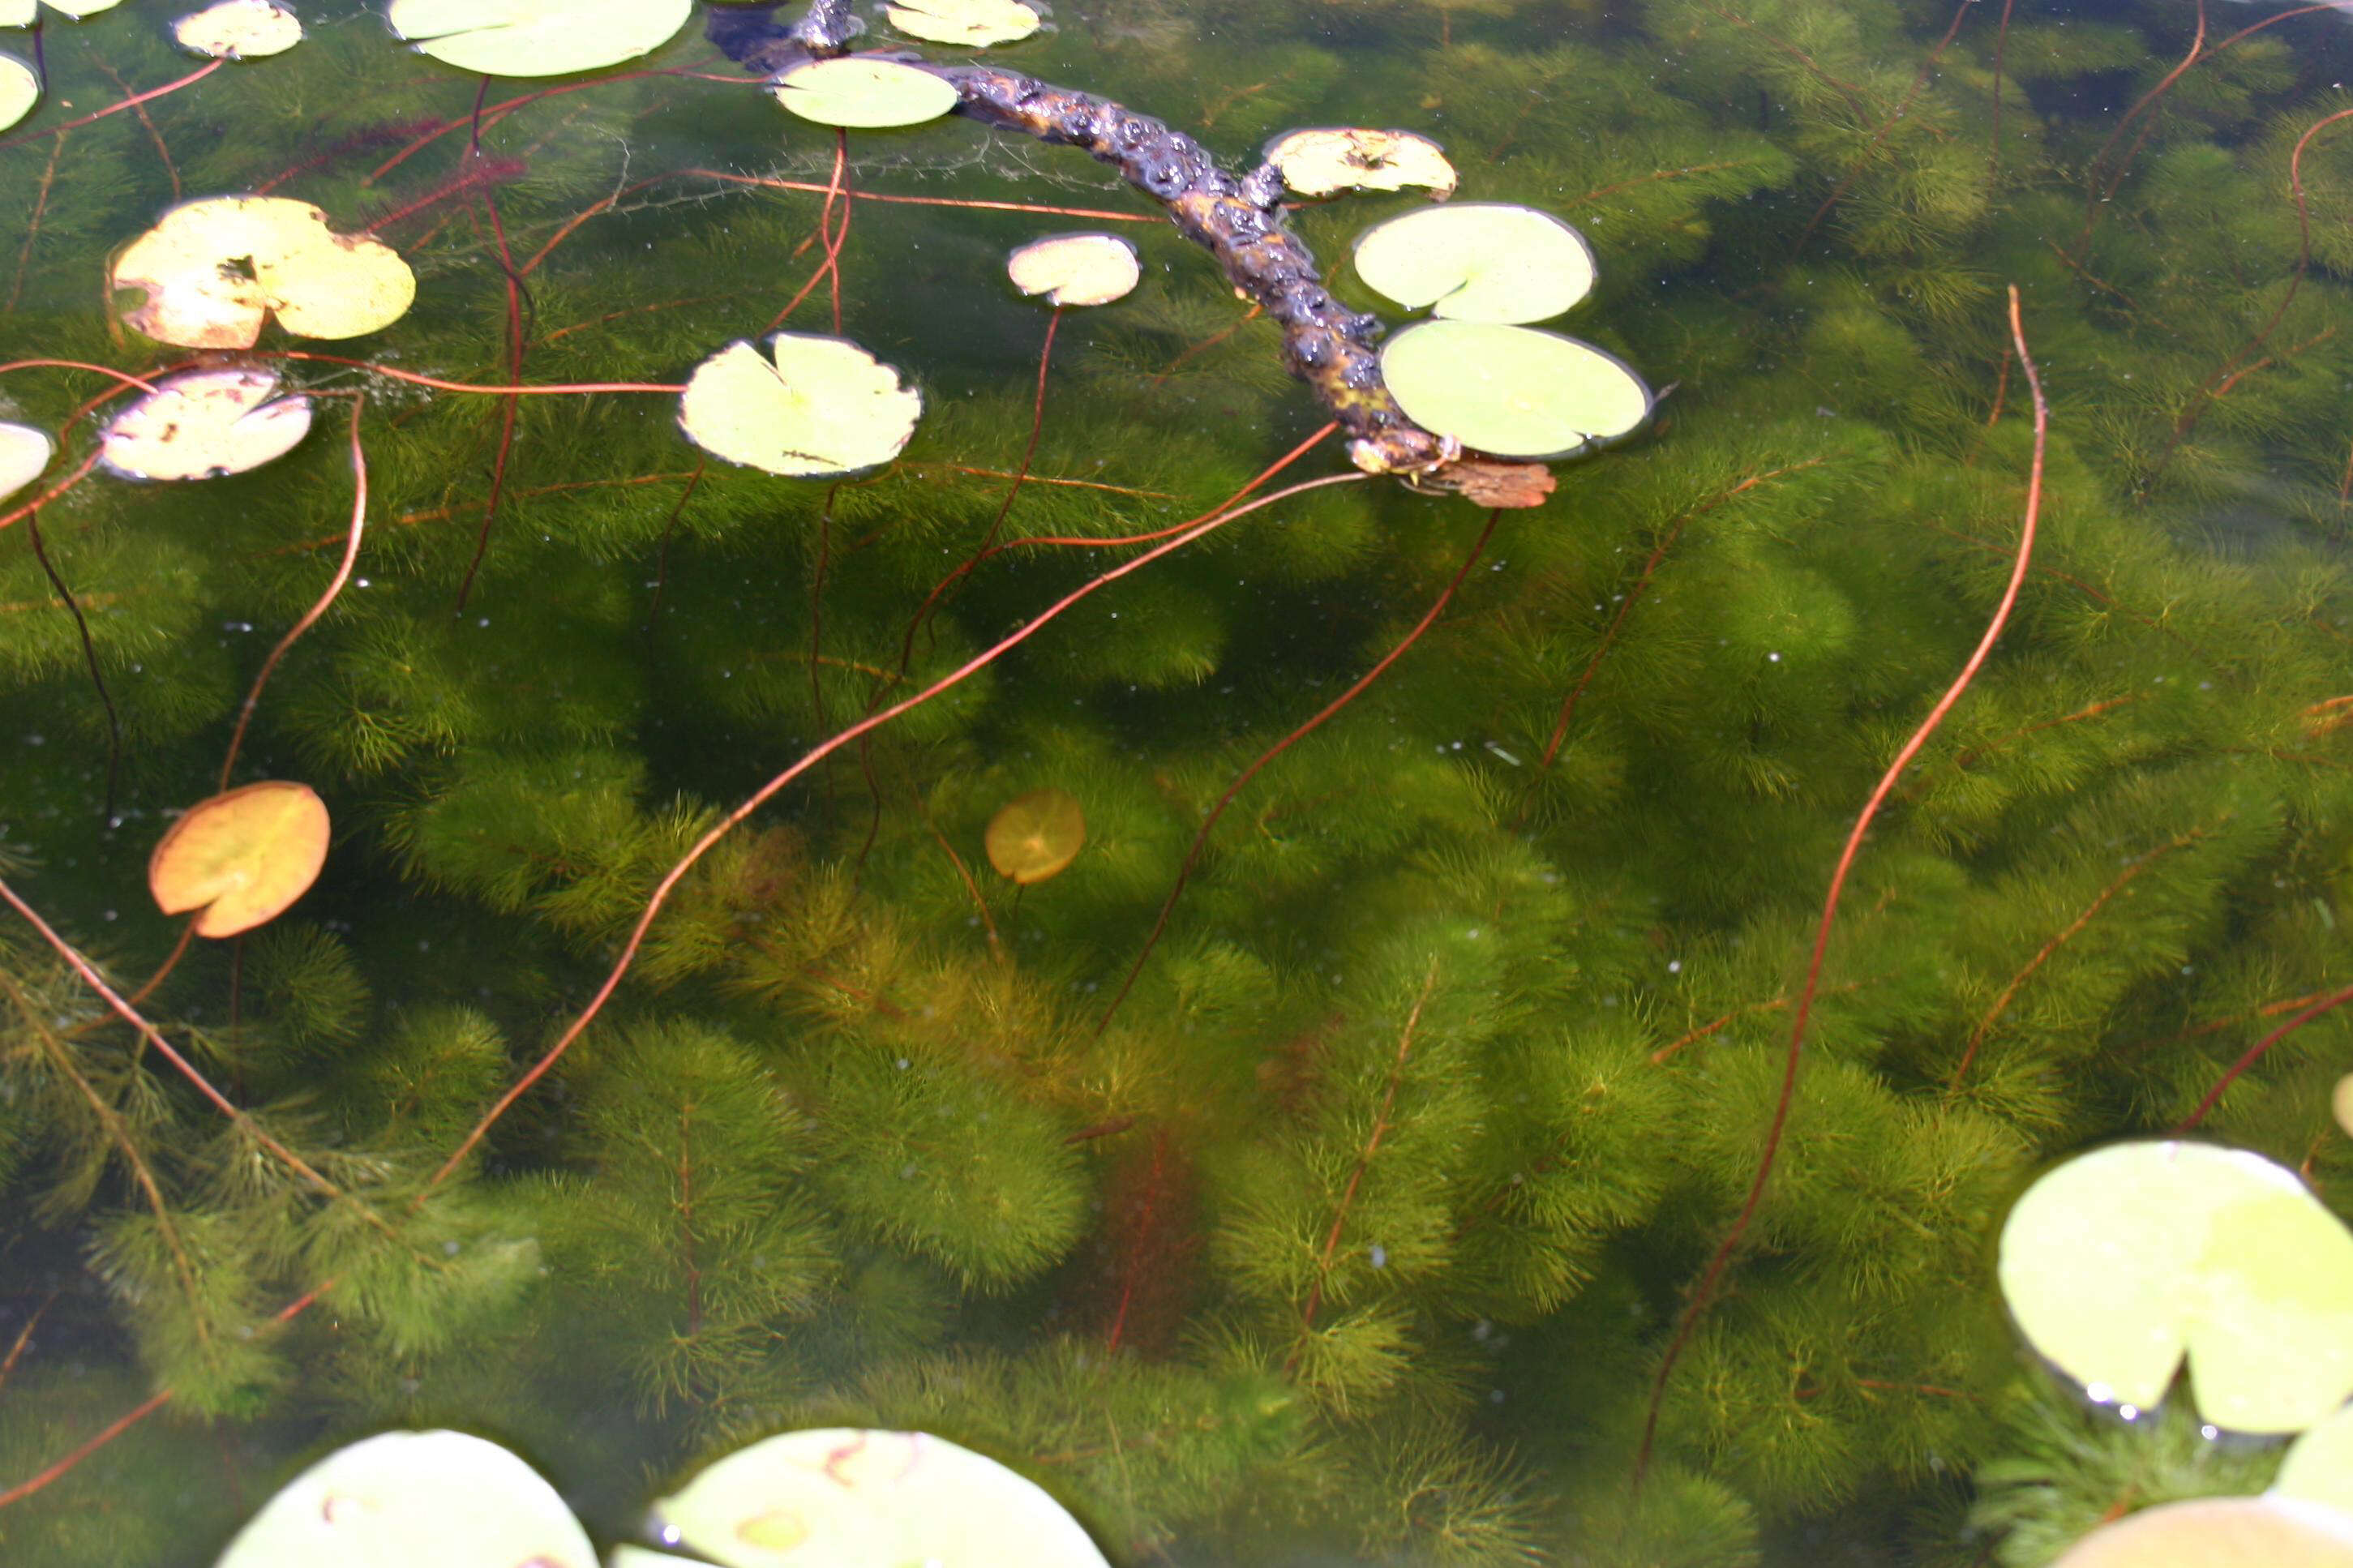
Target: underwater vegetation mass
(1381, 820)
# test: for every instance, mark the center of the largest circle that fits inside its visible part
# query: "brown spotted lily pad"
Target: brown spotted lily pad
(1034, 836)
(240, 858)
(239, 30)
(847, 1496)
(214, 270)
(1075, 268)
(204, 424)
(1328, 160)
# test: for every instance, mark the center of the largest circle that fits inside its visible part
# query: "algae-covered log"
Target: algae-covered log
(1238, 220)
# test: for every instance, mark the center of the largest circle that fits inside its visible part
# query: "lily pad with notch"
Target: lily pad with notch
(2121, 1264)
(239, 30)
(812, 406)
(860, 92)
(1324, 161)
(973, 23)
(205, 424)
(536, 37)
(1478, 262)
(216, 270)
(1036, 836)
(25, 452)
(1513, 392)
(240, 858)
(1075, 268)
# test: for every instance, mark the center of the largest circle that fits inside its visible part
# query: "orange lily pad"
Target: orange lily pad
(1033, 836)
(214, 270)
(241, 858)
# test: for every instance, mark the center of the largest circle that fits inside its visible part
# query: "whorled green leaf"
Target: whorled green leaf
(1478, 262)
(2121, 1263)
(846, 1495)
(1512, 391)
(860, 93)
(401, 1499)
(537, 37)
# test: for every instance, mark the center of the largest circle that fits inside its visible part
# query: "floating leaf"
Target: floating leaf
(1478, 262)
(1075, 268)
(977, 23)
(812, 406)
(536, 37)
(863, 93)
(239, 29)
(241, 858)
(401, 1499)
(205, 424)
(842, 1496)
(1512, 391)
(1328, 160)
(23, 453)
(1033, 836)
(214, 270)
(20, 88)
(20, 13)
(2318, 1465)
(2341, 1102)
(2120, 1262)
(2219, 1532)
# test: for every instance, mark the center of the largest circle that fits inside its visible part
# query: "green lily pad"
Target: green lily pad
(1075, 268)
(841, 1496)
(811, 406)
(975, 23)
(403, 1499)
(862, 93)
(2318, 1467)
(1512, 391)
(2122, 1262)
(537, 37)
(20, 88)
(20, 13)
(1478, 262)
(23, 453)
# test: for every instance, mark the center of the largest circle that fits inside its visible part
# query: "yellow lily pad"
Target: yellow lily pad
(861, 92)
(20, 13)
(837, 1496)
(25, 452)
(1478, 262)
(20, 89)
(811, 406)
(1035, 835)
(214, 270)
(976, 23)
(1512, 391)
(2340, 1102)
(205, 424)
(2121, 1263)
(2267, 1531)
(241, 858)
(1075, 268)
(536, 37)
(401, 1499)
(1327, 160)
(2318, 1465)
(239, 30)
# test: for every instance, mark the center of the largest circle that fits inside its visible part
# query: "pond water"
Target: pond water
(1418, 1125)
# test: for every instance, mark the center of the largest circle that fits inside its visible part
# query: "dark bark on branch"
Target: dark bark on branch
(1239, 221)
